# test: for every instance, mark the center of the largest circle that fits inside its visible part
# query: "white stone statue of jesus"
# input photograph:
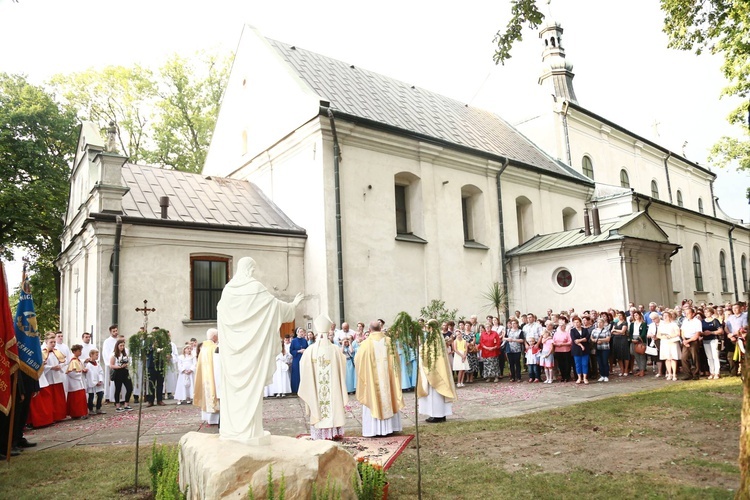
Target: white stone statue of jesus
(249, 318)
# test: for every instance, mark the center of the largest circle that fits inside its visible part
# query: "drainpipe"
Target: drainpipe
(734, 267)
(116, 271)
(566, 105)
(713, 200)
(501, 224)
(337, 191)
(666, 171)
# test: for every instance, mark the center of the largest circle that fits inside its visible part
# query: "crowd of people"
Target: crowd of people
(688, 340)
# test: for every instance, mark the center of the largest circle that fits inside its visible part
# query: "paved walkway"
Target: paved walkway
(286, 416)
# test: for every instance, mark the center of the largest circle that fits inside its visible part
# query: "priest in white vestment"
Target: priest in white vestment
(206, 395)
(323, 384)
(378, 384)
(249, 319)
(435, 387)
(170, 378)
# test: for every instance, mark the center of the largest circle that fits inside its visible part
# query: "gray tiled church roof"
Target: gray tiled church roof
(363, 94)
(200, 200)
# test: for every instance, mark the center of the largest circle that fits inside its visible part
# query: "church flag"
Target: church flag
(8, 348)
(27, 335)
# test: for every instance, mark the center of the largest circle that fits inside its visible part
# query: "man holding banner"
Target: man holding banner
(19, 348)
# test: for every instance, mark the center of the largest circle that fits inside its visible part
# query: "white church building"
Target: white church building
(372, 196)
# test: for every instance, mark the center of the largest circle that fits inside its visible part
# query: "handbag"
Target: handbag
(651, 350)
(640, 348)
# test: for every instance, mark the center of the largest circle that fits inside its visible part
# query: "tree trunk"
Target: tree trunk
(743, 493)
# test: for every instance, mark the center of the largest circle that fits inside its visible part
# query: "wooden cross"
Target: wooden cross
(145, 310)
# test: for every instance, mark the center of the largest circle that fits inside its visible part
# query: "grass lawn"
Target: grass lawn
(680, 441)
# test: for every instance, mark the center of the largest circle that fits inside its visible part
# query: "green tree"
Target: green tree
(37, 141)
(163, 117)
(125, 96)
(190, 94)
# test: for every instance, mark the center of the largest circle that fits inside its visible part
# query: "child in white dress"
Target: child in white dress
(281, 384)
(186, 375)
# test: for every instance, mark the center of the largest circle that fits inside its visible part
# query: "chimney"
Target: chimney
(164, 204)
(595, 217)
(586, 222)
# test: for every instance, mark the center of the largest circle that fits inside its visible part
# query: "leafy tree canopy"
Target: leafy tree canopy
(164, 117)
(721, 27)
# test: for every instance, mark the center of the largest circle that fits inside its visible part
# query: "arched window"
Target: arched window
(472, 213)
(570, 219)
(723, 271)
(697, 269)
(700, 205)
(588, 167)
(654, 190)
(679, 199)
(408, 200)
(525, 219)
(743, 265)
(624, 179)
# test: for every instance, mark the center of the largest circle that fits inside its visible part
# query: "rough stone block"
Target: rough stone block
(212, 467)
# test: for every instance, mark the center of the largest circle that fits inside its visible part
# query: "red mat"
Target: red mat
(378, 450)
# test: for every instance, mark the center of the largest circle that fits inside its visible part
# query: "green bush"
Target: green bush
(156, 466)
(165, 469)
(371, 481)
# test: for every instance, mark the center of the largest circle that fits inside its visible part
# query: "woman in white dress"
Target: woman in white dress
(669, 348)
(186, 376)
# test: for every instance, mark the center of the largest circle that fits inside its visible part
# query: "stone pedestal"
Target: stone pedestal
(212, 468)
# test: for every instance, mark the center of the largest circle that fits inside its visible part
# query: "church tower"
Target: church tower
(557, 73)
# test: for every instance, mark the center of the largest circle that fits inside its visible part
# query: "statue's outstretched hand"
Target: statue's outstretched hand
(297, 299)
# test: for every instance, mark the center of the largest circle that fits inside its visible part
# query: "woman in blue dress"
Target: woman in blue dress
(408, 373)
(299, 344)
(349, 348)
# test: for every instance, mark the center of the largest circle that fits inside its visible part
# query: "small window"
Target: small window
(679, 199)
(208, 275)
(570, 219)
(723, 270)
(588, 167)
(525, 219)
(700, 205)
(624, 179)
(402, 226)
(564, 278)
(466, 215)
(654, 190)
(743, 265)
(697, 269)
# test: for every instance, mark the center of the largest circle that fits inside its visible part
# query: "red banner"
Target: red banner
(8, 347)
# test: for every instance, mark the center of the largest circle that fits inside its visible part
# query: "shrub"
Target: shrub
(372, 480)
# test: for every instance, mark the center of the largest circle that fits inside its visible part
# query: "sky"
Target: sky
(624, 70)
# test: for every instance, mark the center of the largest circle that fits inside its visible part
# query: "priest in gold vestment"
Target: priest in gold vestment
(206, 390)
(378, 384)
(435, 387)
(323, 384)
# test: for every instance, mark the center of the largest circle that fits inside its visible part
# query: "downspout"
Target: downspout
(116, 271)
(337, 192)
(713, 200)
(666, 171)
(734, 267)
(566, 105)
(502, 236)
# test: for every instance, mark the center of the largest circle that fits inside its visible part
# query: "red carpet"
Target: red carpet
(378, 450)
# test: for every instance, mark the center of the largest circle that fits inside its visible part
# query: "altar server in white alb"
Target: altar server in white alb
(108, 349)
(323, 384)
(173, 371)
(185, 384)
(94, 382)
(76, 376)
(378, 384)
(54, 362)
(281, 385)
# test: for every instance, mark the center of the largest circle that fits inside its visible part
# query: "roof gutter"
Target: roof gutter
(666, 171)
(116, 271)
(337, 192)
(501, 224)
(565, 107)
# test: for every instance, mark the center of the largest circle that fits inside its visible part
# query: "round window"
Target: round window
(564, 278)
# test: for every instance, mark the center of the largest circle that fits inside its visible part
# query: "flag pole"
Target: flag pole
(14, 386)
